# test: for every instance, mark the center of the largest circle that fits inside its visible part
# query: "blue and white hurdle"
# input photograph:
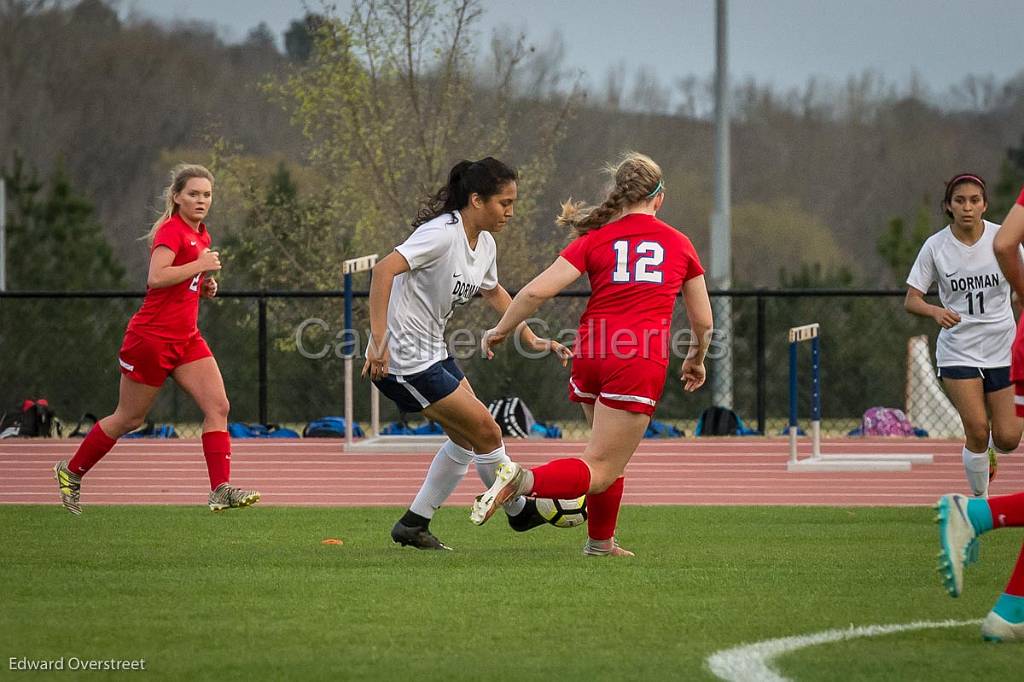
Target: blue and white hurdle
(831, 462)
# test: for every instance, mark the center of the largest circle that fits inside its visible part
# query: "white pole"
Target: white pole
(721, 220)
(348, 400)
(792, 443)
(374, 410)
(816, 439)
(3, 235)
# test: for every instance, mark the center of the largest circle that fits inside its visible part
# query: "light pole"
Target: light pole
(721, 223)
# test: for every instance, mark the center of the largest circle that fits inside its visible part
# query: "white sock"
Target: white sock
(446, 471)
(976, 468)
(487, 468)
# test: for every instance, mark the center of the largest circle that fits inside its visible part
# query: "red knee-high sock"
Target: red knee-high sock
(1016, 584)
(217, 451)
(93, 447)
(1007, 510)
(603, 511)
(567, 478)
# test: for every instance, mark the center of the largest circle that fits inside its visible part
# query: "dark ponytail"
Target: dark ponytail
(485, 177)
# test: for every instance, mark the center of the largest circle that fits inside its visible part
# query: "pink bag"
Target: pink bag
(886, 421)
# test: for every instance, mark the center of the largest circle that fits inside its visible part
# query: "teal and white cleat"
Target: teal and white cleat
(70, 486)
(958, 542)
(509, 478)
(995, 628)
(1005, 622)
(227, 496)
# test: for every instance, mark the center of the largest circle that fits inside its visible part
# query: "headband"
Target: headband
(655, 191)
(967, 176)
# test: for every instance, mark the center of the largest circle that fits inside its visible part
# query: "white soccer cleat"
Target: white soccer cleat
(995, 628)
(507, 483)
(957, 541)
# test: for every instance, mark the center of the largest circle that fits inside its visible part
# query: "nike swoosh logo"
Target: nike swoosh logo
(950, 274)
(960, 508)
(457, 274)
(191, 243)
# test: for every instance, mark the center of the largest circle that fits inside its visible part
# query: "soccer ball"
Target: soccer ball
(563, 513)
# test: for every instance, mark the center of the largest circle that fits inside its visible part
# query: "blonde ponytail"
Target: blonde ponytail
(637, 178)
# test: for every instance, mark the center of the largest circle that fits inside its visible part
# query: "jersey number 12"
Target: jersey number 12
(652, 255)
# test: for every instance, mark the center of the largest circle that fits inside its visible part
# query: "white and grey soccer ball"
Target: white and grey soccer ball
(563, 513)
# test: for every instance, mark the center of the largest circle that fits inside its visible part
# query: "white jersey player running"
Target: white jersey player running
(414, 292)
(973, 349)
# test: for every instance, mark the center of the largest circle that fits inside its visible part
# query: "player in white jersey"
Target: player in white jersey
(974, 345)
(415, 289)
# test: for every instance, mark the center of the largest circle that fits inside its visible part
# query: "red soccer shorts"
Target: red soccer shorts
(633, 384)
(150, 361)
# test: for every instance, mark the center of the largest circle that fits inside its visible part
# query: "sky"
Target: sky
(782, 43)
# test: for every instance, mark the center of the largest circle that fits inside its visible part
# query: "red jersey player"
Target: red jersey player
(163, 340)
(961, 519)
(636, 265)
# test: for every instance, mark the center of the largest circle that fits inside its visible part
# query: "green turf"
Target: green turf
(252, 594)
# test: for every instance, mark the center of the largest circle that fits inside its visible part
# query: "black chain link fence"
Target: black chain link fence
(281, 357)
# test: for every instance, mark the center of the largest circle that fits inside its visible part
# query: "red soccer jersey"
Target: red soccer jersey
(170, 313)
(636, 267)
(1017, 359)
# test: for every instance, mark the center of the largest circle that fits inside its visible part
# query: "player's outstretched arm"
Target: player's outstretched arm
(1007, 249)
(499, 299)
(547, 284)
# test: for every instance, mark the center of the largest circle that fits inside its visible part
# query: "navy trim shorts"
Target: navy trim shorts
(993, 378)
(415, 392)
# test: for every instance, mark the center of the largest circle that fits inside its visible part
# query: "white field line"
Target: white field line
(752, 662)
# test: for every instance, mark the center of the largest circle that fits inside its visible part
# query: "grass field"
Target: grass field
(253, 594)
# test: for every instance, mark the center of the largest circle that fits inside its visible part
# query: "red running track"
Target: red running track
(714, 471)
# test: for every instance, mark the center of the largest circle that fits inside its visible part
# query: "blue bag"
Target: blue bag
(329, 427)
(151, 430)
(657, 429)
(542, 430)
(242, 430)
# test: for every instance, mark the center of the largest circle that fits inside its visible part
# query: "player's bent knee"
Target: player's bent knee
(486, 435)
(128, 423)
(1006, 442)
(977, 439)
(219, 408)
(601, 479)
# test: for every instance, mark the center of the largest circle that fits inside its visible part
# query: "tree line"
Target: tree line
(363, 117)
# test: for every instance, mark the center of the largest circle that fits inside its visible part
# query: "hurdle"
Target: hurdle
(374, 441)
(349, 268)
(829, 462)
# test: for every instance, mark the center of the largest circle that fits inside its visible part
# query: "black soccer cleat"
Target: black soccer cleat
(416, 536)
(528, 518)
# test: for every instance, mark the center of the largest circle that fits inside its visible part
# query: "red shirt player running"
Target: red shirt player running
(636, 265)
(163, 340)
(961, 519)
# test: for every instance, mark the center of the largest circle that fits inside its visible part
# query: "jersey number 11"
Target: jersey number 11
(981, 303)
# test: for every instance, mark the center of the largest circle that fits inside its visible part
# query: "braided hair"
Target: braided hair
(637, 178)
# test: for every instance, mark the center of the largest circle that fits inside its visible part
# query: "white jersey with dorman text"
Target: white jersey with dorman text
(970, 284)
(444, 273)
